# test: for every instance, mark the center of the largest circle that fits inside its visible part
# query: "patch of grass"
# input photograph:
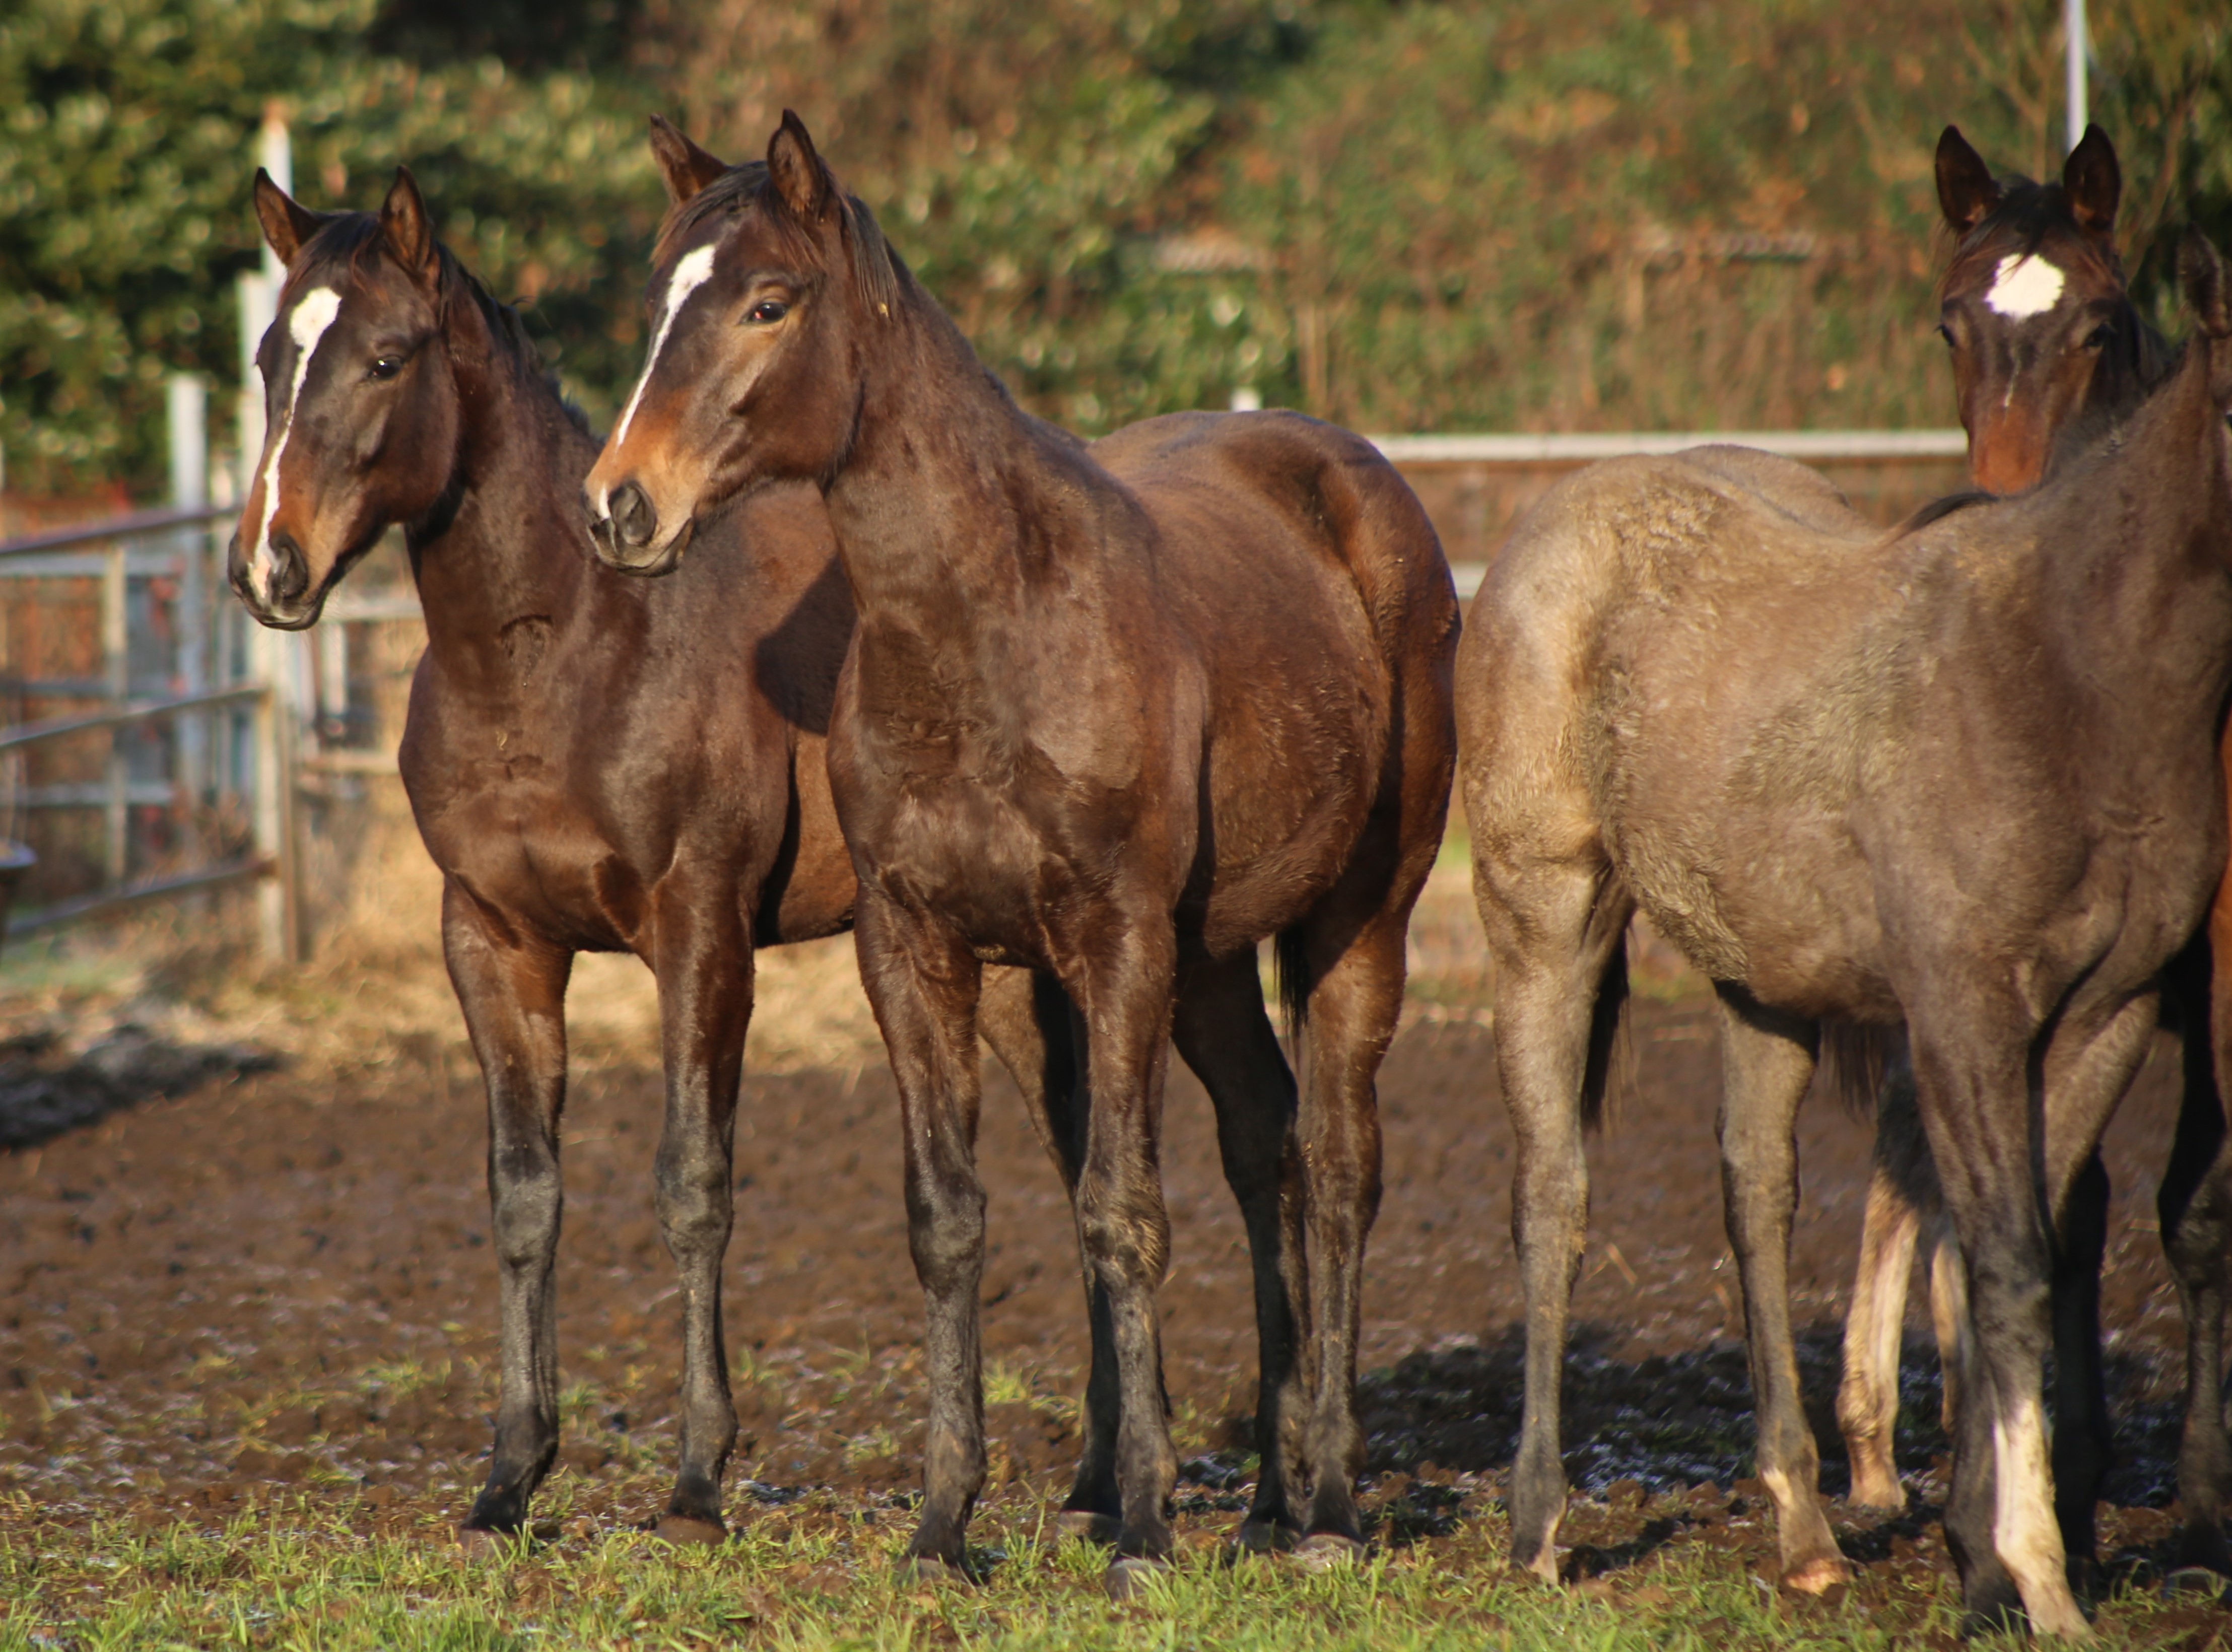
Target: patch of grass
(306, 1573)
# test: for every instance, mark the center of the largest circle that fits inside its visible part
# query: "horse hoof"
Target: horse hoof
(1817, 1576)
(1131, 1576)
(1087, 1525)
(1325, 1552)
(1265, 1536)
(687, 1531)
(929, 1569)
(478, 1543)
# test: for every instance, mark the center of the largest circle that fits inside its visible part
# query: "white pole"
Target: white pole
(189, 409)
(2072, 29)
(277, 654)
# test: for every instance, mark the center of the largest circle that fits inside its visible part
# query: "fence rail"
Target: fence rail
(113, 551)
(1474, 486)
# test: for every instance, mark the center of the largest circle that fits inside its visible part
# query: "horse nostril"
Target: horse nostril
(290, 578)
(634, 521)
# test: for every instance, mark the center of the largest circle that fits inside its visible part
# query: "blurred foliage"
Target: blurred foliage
(126, 153)
(1439, 214)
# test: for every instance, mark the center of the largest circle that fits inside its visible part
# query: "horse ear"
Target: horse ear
(687, 168)
(2093, 182)
(287, 222)
(800, 176)
(403, 224)
(1966, 190)
(2208, 288)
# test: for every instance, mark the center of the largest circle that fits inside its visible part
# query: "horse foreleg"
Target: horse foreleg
(1221, 1030)
(1032, 1026)
(1975, 1094)
(924, 985)
(1868, 1399)
(513, 993)
(1767, 1061)
(1122, 977)
(704, 964)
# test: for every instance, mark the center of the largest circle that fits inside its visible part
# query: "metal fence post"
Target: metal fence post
(189, 414)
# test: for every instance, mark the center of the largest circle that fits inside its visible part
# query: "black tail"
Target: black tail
(1290, 975)
(1852, 1062)
(1607, 1026)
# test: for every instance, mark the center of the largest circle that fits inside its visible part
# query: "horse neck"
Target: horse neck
(508, 540)
(948, 487)
(2140, 359)
(2142, 605)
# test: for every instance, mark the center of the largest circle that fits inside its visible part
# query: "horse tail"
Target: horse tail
(1854, 1061)
(1609, 1048)
(1290, 975)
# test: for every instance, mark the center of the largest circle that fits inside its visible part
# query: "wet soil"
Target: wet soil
(282, 1279)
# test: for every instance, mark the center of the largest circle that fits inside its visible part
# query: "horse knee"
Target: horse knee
(1125, 1240)
(524, 1213)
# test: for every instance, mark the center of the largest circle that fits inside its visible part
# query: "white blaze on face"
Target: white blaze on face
(312, 316)
(2024, 287)
(693, 271)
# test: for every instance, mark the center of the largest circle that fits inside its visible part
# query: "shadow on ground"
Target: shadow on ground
(46, 1090)
(1672, 1420)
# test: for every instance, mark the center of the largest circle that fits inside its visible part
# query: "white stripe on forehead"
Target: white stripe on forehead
(2024, 286)
(695, 269)
(306, 326)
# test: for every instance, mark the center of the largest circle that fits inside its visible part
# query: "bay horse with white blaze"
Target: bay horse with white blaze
(595, 763)
(1118, 711)
(1703, 686)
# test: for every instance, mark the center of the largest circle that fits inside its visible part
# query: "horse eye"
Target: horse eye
(766, 312)
(386, 367)
(1945, 333)
(2098, 338)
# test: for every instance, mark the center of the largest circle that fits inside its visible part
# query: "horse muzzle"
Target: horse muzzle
(286, 602)
(627, 537)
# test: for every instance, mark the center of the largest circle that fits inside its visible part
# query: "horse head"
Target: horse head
(361, 406)
(767, 282)
(2046, 343)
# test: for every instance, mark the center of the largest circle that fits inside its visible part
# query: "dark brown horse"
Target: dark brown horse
(596, 763)
(2048, 352)
(1119, 712)
(1701, 686)
(2039, 384)
(2035, 382)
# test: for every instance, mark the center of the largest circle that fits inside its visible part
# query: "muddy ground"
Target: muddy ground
(283, 1278)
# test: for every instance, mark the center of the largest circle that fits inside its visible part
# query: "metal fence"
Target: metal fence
(264, 724)
(228, 755)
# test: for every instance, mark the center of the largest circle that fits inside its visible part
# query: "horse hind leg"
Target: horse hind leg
(1557, 932)
(1902, 1200)
(1224, 1034)
(1033, 1028)
(1768, 1061)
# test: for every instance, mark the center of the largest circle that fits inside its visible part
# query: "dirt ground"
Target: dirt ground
(282, 1277)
